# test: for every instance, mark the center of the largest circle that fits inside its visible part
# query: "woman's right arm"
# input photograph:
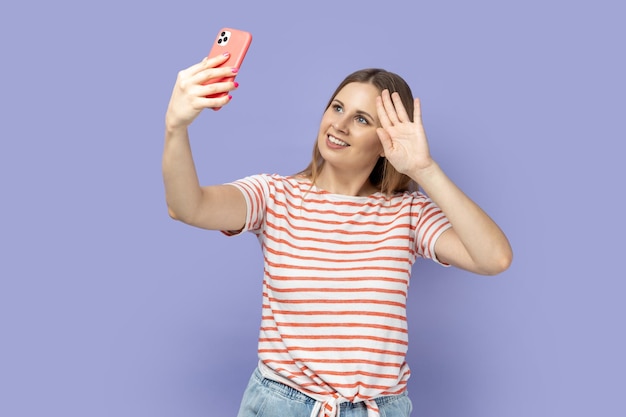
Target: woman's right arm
(218, 207)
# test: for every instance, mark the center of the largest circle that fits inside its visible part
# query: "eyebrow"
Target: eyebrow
(358, 111)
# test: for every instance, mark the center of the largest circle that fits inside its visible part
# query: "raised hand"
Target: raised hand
(404, 141)
(189, 96)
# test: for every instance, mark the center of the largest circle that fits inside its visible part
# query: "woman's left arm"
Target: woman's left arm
(474, 242)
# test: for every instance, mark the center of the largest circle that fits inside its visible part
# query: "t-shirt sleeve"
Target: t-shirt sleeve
(431, 222)
(255, 190)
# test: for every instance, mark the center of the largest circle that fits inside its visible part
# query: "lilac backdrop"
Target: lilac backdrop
(109, 308)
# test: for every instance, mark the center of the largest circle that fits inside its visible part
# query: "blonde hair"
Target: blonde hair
(384, 176)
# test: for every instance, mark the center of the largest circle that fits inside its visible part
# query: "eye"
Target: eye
(362, 120)
(337, 108)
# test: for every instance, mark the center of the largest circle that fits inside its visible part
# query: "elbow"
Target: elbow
(181, 216)
(499, 263)
(172, 214)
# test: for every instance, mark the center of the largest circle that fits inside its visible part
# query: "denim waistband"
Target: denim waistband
(293, 394)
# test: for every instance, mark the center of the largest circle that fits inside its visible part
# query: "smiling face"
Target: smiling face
(344, 165)
(347, 139)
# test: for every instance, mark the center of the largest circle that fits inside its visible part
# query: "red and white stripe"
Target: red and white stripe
(335, 285)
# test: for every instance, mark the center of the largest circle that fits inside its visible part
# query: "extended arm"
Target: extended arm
(218, 207)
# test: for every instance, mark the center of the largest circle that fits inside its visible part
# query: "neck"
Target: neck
(344, 184)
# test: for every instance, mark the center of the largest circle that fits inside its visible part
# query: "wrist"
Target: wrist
(172, 127)
(175, 133)
(425, 173)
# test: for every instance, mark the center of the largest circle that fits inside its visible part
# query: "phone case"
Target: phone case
(234, 41)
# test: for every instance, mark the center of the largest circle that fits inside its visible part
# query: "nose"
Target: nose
(341, 123)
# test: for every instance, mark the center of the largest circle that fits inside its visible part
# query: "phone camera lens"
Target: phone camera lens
(225, 38)
(219, 41)
(223, 33)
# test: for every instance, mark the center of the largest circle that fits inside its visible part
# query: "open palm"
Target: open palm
(404, 141)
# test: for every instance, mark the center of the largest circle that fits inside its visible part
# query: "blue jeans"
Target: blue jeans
(266, 398)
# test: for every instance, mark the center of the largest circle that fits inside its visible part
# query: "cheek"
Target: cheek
(375, 142)
(326, 120)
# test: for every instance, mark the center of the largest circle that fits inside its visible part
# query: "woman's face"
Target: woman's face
(347, 138)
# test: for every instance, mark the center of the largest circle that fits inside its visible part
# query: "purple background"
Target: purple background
(109, 308)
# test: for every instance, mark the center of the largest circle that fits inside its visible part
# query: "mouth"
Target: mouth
(337, 142)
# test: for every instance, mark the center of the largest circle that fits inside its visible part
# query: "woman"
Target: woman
(339, 240)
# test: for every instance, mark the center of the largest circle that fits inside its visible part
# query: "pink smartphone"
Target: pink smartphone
(234, 41)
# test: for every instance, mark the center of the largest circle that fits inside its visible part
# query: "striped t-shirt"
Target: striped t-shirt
(336, 275)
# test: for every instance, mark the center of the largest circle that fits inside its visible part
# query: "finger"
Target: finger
(212, 102)
(385, 123)
(389, 107)
(195, 68)
(222, 102)
(208, 63)
(216, 88)
(403, 116)
(417, 111)
(217, 59)
(215, 74)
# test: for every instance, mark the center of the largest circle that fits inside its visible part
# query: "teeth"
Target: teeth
(337, 141)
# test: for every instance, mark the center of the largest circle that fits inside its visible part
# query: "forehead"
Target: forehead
(361, 94)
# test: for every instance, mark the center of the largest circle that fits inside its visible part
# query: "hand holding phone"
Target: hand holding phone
(234, 41)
